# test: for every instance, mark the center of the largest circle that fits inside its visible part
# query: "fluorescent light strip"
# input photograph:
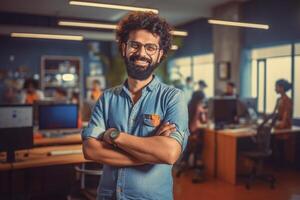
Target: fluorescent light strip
(47, 36)
(87, 24)
(239, 24)
(112, 6)
(179, 33)
(174, 47)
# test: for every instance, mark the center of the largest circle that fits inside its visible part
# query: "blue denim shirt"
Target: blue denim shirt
(116, 110)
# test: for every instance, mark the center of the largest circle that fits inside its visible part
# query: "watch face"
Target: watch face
(114, 134)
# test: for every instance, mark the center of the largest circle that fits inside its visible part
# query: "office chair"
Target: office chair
(193, 147)
(262, 151)
(89, 193)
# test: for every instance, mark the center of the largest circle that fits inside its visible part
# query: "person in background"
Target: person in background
(60, 95)
(31, 93)
(95, 92)
(284, 105)
(188, 89)
(283, 114)
(230, 90)
(200, 94)
(197, 119)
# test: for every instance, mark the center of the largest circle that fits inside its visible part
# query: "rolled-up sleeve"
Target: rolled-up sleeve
(96, 125)
(177, 114)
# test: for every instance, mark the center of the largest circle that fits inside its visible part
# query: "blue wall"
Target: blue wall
(199, 40)
(28, 52)
(283, 16)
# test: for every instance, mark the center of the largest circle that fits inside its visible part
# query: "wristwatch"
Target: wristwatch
(113, 136)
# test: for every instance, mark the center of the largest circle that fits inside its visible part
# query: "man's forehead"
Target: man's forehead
(143, 36)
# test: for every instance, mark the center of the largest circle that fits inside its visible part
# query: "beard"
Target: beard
(137, 71)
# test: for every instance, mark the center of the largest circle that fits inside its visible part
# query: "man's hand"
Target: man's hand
(165, 129)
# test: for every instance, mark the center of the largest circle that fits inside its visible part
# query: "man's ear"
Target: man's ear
(160, 54)
(123, 49)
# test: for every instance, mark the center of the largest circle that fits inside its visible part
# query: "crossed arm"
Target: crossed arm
(133, 150)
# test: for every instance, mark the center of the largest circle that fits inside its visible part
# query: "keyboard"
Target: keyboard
(65, 152)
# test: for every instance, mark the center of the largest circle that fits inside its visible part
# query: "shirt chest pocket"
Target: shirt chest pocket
(150, 123)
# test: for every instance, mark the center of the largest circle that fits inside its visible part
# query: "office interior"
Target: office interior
(40, 141)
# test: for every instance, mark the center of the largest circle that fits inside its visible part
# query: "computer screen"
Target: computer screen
(16, 129)
(57, 116)
(16, 116)
(225, 110)
(247, 107)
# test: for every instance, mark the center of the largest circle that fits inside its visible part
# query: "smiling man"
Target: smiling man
(139, 129)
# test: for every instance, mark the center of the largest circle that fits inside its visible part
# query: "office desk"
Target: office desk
(220, 155)
(68, 139)
(39, 174)
(39, 157)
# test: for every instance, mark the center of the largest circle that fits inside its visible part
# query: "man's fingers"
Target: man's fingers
(165, 128)
(161, 127)
(171, 126)
(168, 132)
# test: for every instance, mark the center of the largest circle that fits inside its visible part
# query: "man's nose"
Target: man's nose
(142, 52)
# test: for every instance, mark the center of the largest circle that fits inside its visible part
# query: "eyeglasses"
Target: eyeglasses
(136, 46)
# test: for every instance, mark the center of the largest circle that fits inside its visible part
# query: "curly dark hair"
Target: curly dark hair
(148, 21)
(30, 81)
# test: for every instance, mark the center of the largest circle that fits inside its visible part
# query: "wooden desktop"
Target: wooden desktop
(220, 152)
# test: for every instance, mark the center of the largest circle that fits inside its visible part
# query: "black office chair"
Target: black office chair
(262, 151)
(89, 193)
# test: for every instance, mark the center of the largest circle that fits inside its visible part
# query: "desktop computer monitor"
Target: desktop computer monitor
(57, 116)
(16, 129)
(224, 111)
(247, 108)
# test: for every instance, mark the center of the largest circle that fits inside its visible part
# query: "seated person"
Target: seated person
(95, 92)
(30, 93)
(60, 95)
(197, 118)
(230, 90)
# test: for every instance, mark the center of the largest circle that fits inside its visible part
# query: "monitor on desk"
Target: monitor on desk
(57, 116)
(16, 129)
(247, 108)
(224, 111)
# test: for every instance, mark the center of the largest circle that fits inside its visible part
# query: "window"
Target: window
(269, 65)
(180, 69)
(277, 68)
(204, 70)
(199, 67)
(296, 83)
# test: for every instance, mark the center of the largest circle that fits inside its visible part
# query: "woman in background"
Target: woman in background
(284, 105)
(283, 144)
(31, 92)
(197, 118)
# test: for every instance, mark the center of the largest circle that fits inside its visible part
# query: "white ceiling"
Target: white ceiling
(176, 11)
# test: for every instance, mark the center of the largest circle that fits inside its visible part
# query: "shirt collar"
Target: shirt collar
(149, 87)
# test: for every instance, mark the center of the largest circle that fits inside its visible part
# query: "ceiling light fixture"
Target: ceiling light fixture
(87, 24)
(47, 36)
(111, 6)
(179, 33)
(239, 24)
